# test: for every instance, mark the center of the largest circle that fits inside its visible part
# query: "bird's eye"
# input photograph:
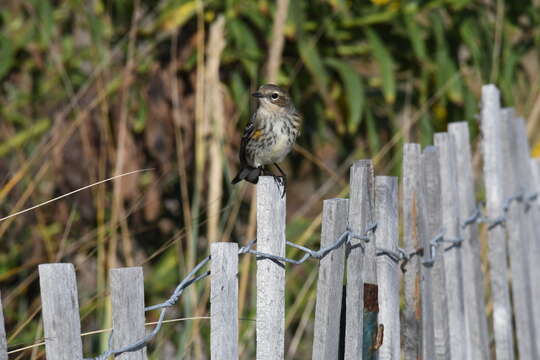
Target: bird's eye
(275, 96)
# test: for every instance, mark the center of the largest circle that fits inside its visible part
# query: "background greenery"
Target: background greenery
(93, 88)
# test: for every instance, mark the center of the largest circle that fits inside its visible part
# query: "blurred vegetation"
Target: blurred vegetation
(93, 88)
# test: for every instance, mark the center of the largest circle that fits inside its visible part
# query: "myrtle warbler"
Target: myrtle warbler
(269, 136)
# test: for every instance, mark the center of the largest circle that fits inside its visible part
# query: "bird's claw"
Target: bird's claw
(281, 181)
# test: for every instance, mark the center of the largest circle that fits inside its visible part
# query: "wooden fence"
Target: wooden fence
(419, 298)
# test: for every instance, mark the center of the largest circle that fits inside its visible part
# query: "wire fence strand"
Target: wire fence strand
(403, 256)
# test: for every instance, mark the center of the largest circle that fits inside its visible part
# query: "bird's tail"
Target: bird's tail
(249, 174)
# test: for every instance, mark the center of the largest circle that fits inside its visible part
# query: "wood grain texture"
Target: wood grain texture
(459, 338)
(426, 272)
(270, 276)
(3, 342)
(430, 222)
(535, 208)
(60, 312)
(127, 298)
(535, 189)
(388, 273)
(411, 329)
(475, 313)
(494, 185)
(224, 301)
(530, 221)
(361, 215)
(330, 282)
(518, 243)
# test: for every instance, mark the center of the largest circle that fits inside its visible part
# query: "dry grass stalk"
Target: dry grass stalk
(278, 40)
(215, 112)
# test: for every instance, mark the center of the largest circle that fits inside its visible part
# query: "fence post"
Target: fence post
(535, 202)
(360, 217)
(529, 219)
(426, 272)
(330, 282)
(535, 189)
(127, 298)
(430, 224)
(518, 243)
(411, 329)
(224, 301)
(459, 339)
(493, 178)
(270, 326)
(475, 313)
(60, 312)
(3, 342)
(386, 237)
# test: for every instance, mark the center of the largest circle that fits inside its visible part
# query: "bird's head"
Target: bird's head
(272, 97)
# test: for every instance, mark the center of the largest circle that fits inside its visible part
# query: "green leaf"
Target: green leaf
(297, 17)
(472, 38)
(24, 136)
(312, 59)
(246, 47)
(7, 54)
(240, 94)
(372, 133)
(371, 19)
(174, 17)
(415, 35)
(46, 21)
(447, 74)
(386, 65)
(354, 91)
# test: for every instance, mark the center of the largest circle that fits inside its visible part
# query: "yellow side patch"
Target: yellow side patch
(257, 134)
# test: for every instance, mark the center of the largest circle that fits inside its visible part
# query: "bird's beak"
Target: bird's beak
(257, 95)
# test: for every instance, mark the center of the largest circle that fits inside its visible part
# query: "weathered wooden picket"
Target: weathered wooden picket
(443, 313)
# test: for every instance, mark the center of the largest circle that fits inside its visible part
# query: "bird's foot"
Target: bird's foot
(281, 181)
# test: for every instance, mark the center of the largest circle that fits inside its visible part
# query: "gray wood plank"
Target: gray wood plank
(431, 224)
(530, 221)
(270, 276)
(427, 161)
(535, 188)
(224, 301)
(3, 342)
(493, 179)
(475, 313)
(535, 204)
(362, 212)
(518, 244)
(459, 338)
(411, 327)
(535, 166)
(361, 215)
(388, 273)
(127, 298)
(330, 282)
(60, 312)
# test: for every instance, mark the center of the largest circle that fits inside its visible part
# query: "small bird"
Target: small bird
(269, 136)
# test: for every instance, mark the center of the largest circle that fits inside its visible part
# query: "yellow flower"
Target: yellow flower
(440, 112)
(380, 2)
(178, 16)
(535, 152)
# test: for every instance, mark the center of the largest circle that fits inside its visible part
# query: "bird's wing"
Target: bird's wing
(248, 133)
